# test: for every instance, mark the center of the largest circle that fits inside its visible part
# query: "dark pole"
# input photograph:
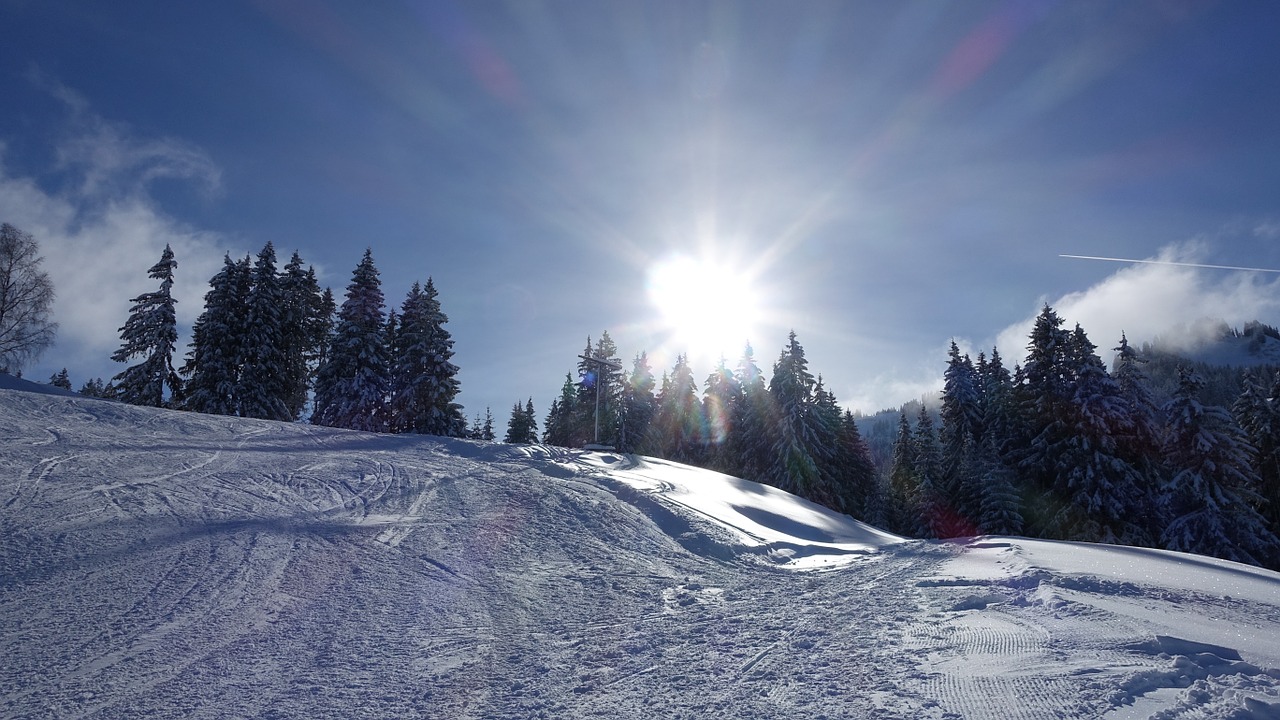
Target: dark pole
(605, 363)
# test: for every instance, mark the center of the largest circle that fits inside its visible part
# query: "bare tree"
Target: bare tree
(26, 300)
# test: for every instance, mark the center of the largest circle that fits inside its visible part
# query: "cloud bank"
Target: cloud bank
(1151, 300)
(101, 230)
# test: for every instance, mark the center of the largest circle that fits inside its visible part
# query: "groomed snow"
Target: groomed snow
(164, 564)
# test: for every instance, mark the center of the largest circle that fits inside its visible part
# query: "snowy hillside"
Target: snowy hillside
(166, 564)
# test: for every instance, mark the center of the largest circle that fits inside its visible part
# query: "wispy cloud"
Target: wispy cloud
(1166, 297)
(102, 230)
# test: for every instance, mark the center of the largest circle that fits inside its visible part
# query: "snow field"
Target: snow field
(167, 564)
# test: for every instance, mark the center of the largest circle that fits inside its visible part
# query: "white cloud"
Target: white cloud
(1267, 230)
(103, 230)
(1150, 300)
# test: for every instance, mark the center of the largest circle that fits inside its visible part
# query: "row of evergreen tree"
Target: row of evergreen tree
(788, 432)
(1058, 448)
(269, 343)
(1062, 448)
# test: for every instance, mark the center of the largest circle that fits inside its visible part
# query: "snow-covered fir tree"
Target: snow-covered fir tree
(1212, 489)
(679, 420)
(799, 438)
(353, 384)
(824, 413)
(1141, 442)
(857, 472)
(999, 504)
(151, 332)
(962, 416)
(751, 429)
(720, 401)
(304, 324)
(637, 405)
(999, 412)
(1099, 490)
(903, 510)
(961, 411)
(424, 378)
(938, 515)
(562, 417)
(265, 387)
(1258, 413)
(1044, 395)
(212, 367)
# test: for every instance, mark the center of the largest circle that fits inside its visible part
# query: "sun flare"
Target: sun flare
(707, 308)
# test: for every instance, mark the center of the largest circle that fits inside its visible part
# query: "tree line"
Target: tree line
(1062, 448)
(784, 429)
(271, 344)
(1059, 447)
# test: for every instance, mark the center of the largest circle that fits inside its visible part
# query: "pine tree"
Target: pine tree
(599, 390)
(679, 419)
(751, 428)
(857, 472)
(61, 379)
(999, 412)
(559, 427)
(962, 417)
(482, 427)
(1140, 442)
(938, 516)
(961, 405)
(903, 494)
(799, 440)
(151, 332)
(1000, 506)
(303, 325)
(265, 386)
(523, 425)
(212, 367)
(1044, 395)
(720, 401)
(1212, 489)
(1258, 413)
(423, 378)
(638, 406)
(446, 414)
(825, 414)
(353, 384)
(93, 388)
(1100, 491)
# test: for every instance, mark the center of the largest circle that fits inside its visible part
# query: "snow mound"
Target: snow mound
(760, 519)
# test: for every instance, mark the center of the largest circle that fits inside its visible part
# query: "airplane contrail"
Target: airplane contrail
(1170, 262)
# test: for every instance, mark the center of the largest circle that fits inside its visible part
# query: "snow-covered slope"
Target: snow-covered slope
(167, 564)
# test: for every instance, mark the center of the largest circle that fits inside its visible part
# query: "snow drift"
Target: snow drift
(180, 565)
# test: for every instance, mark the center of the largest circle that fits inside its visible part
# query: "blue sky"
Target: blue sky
(879, 177)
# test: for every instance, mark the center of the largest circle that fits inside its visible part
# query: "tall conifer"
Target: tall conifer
(151, 332)
(353, 384)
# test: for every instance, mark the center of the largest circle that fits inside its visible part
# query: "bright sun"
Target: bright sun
(708, 307)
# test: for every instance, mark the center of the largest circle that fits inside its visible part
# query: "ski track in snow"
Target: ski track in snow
(168, 564)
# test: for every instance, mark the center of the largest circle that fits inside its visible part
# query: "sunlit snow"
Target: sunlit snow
(156, 563)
